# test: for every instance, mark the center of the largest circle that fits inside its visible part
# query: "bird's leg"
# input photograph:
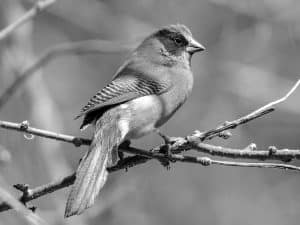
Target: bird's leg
(166, 149)
(166, 161)
(167, 139)
(121, 155)
(125, 144)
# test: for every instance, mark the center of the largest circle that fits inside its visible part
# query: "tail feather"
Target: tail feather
(91, 174)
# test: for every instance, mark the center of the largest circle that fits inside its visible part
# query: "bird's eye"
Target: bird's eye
(178, 41)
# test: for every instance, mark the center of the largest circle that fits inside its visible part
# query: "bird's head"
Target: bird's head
(172, 43)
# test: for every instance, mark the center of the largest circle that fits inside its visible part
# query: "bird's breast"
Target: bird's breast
(139, 116)
(142, 115)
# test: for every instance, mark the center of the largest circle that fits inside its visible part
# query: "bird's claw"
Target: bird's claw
(166, 150)
(121, 155)
(167, 139)
(125, 144)
(165, 163)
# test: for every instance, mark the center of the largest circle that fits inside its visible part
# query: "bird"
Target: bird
(144, 93)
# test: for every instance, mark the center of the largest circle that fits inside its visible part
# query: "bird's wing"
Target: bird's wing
(128, 85)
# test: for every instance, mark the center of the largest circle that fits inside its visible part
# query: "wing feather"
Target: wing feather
(128, 85)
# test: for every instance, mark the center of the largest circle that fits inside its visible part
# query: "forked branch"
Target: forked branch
(181, 144)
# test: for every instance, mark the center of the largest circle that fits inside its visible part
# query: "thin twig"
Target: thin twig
(284, 155)
(245, 119)
(24, 127)
(257, 165)
(29, 15)
(80, 47)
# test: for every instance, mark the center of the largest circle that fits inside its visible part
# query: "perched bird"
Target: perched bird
(144, 93)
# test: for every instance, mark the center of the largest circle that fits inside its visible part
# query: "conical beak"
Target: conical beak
(195, 46)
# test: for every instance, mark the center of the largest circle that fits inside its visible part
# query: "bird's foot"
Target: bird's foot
(121, 155)
(166, 161)
(167, 139)
(125, 144)
(166, 149)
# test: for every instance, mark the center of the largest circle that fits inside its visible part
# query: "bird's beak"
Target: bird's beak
(195, 46)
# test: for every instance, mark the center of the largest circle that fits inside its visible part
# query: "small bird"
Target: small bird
(144, 93)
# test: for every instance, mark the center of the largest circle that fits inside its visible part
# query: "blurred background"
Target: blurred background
(252, 58)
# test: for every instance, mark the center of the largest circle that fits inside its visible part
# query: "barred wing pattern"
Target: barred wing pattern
(120, 90)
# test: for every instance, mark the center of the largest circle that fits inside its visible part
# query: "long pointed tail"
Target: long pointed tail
(91, 173)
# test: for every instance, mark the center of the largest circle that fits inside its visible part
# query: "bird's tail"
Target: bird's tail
(91, 173)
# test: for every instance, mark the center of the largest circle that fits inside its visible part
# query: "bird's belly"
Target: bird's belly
(141, 116)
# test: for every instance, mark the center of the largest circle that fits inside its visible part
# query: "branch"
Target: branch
(30, 194)
(245, 119)
(180, 145)
(142, 157)
(206, 161)
(20, 208)
(272, 153)
(37, 8)
(80, 47)
(24, 127)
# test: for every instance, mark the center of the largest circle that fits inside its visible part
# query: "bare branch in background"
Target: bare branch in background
(37, 8)
(20, 208)
(17, 54)
(71, 48)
